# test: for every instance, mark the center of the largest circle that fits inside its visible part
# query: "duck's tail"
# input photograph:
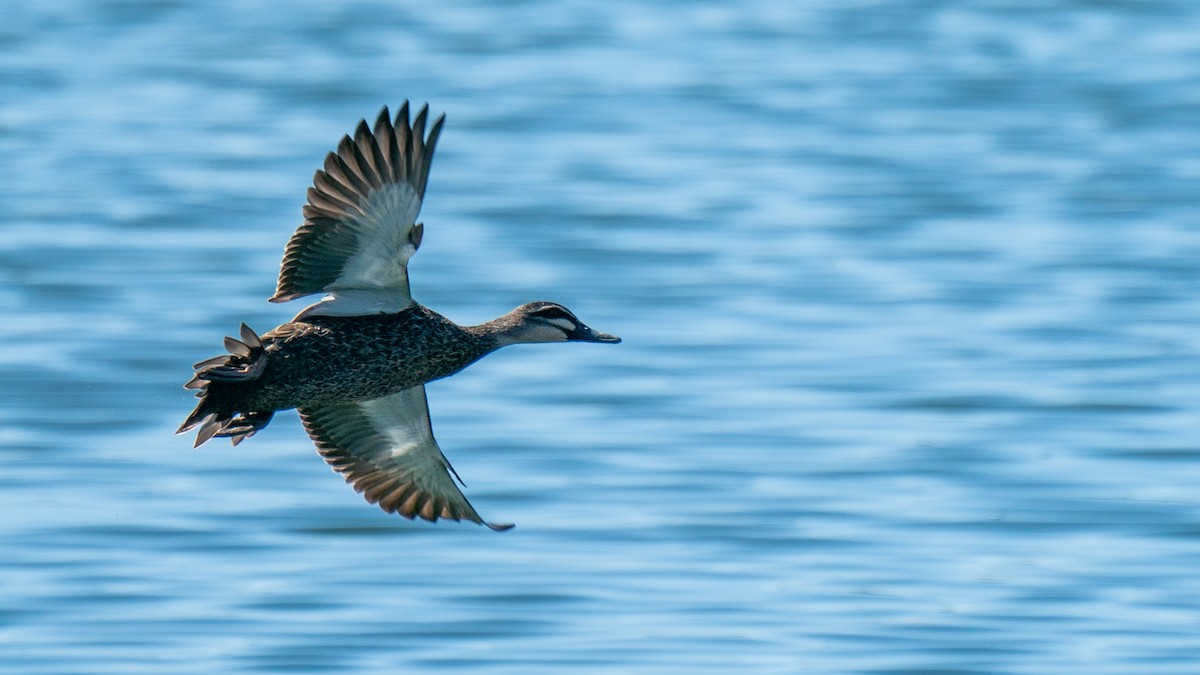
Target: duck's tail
(244, 363)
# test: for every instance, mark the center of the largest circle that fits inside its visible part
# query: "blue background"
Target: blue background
(908, 293)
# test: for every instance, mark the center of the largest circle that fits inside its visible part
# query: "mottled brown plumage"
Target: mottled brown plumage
(355, 364)
(358, 358)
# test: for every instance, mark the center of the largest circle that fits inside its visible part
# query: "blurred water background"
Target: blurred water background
(909, 298)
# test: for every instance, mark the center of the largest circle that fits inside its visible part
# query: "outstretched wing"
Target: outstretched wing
(360, 221)
(385, 449)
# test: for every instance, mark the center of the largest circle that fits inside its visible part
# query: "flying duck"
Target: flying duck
(355, 364)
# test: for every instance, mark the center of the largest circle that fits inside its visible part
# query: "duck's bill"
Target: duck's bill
(585, 334)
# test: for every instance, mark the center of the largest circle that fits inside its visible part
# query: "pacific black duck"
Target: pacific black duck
(355, 364)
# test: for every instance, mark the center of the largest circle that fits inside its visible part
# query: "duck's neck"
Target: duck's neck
(493, 334)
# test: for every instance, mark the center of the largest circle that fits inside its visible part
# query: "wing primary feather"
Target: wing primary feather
(430, 509)
(365, 156)
(347, 162)
(403, 142)
(336, 189)
(385, 135)
(372, 480)
(418, 144)
(427, 158)
(338, 173)
(391, 502)
(335, 193)
(381, 490)
(409, 506)
(374, 154)
(321, 206)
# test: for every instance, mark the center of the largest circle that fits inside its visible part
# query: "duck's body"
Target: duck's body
(352, 358)
(355, 364)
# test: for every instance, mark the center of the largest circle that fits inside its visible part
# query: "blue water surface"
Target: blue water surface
(908, 292)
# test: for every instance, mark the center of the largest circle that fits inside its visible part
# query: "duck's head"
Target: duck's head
(547, 322)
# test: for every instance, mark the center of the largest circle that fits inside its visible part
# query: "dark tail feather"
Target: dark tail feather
(198, 415)
(211, 425)
(250, 337)
(244, 362)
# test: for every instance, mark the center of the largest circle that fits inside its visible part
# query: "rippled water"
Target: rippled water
(908, 293)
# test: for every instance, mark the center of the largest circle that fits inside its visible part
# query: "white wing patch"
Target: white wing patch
(358, 302)
(381, 258)
(404, 420)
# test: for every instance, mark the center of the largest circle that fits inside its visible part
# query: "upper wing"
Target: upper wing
(360, 221)
(385, 449)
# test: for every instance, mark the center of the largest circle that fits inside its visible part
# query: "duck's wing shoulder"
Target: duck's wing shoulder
(385, 449)
(360, 220)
